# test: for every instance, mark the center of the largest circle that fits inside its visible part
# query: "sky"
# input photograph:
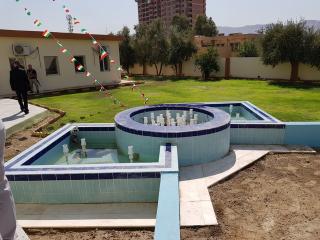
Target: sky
(104, 16)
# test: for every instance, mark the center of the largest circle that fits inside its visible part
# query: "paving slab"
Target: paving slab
(87, 215)
(14, 120)
(20, 234)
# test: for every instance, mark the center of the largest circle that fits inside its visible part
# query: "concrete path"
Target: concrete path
(14, 120)
(20, 234)
(195, 203)
(87, 215)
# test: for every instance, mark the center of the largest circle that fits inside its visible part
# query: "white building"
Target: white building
(54, 68)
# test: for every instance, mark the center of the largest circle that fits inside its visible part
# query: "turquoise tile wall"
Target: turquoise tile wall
(191, 150)
(303, 133)
(87, 191)
(168, 221)
(257, 136)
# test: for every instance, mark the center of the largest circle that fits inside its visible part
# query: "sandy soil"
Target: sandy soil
(90, 234)
(276, 198)
(22, 140)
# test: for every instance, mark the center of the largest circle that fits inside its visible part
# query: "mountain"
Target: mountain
(254, 28)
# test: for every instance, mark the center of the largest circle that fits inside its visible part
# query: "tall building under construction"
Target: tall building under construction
(167, 9)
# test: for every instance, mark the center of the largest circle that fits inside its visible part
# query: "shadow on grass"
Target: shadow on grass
(295, 85)
(173, 78)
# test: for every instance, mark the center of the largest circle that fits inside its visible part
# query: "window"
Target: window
(235, 46)
(105, 63)
(51, 65)
(80, 60)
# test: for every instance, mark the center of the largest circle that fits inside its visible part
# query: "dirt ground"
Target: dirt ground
(276, 198)
(22, 140)
(95, 234)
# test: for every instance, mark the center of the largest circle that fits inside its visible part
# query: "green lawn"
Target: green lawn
(285, 102)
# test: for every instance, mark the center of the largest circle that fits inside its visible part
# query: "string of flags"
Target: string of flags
(103, 52)
(47, 34)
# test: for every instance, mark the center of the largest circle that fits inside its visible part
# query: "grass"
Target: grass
(286, 102)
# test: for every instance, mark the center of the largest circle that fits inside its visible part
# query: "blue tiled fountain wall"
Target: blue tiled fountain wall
(204, 142)
(86, 188)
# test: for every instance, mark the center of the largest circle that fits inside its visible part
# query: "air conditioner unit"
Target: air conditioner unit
(21, 50)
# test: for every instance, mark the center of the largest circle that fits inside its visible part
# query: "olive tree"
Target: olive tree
(208, 62)
(292, 42)
(181, 45)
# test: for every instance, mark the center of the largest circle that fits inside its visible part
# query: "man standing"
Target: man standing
(20, 84)
(7, 208)
(33, 78)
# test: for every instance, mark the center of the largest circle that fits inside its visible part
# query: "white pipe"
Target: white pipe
(130, 150)
(145, 120)
(230, 109)
(130, 153)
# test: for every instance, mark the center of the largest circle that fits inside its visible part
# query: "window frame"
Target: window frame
(57, 65)
(84, 64)
(103, 68)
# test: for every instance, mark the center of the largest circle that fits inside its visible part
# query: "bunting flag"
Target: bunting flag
(46, 34)
(83, 30)
(27, 12)
(37, 23)
(60, 45)
(103, 55)
(73, 60)
(65, 9)
(79, 66)
(76, 21)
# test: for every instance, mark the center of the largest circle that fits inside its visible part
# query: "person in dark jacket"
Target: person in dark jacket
(20, 84)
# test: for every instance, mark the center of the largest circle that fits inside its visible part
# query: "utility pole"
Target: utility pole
(70, 23)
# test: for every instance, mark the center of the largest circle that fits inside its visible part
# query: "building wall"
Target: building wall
(253, 67)
(240, 68)
(227, 46)
(67, 77)
(189, 69)
(150, 10)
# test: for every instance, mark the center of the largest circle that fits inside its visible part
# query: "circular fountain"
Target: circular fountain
(201, 134)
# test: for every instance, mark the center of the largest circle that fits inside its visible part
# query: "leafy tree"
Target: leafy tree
(205, 26)
(158, 45)
(181, 46)
(248, 49)
(127, 54)
(208, 62)
(293, 42)
(142, 45)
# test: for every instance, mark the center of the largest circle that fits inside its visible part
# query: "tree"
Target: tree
(158, 45)
(208, 62)
(127, 54)
(248, 49)
(141, 45)
(181, 46)
(205, 26)
(293, 42)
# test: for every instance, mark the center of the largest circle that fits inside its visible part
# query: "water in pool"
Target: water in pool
(106, 153)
